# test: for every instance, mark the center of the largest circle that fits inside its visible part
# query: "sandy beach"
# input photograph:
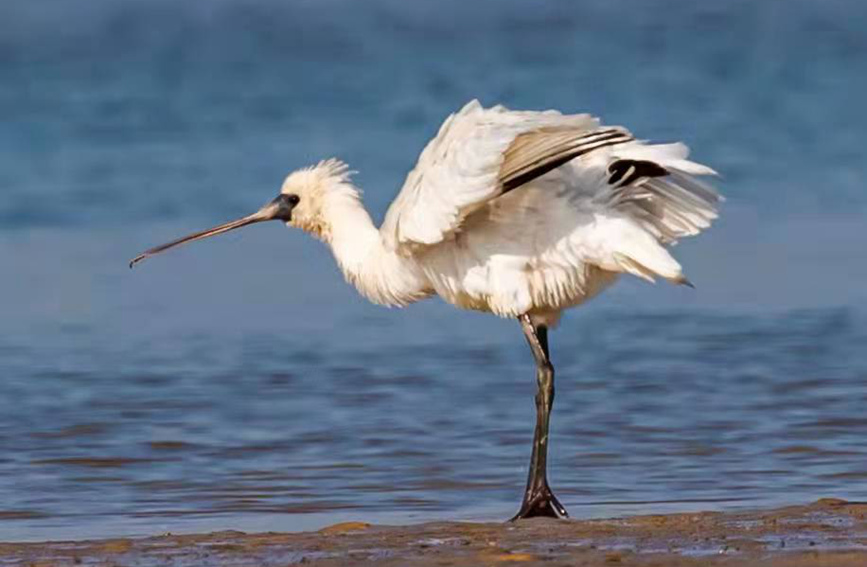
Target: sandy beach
(829, 533)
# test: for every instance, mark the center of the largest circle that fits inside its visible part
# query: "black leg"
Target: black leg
(538, 498)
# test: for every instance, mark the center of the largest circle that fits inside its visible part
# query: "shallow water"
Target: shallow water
(240, 384)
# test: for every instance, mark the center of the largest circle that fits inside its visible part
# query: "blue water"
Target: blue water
(239, 383)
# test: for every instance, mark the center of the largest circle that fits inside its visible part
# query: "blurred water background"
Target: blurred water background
(239, 383)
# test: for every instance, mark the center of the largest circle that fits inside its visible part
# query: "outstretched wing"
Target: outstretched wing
(478, 155)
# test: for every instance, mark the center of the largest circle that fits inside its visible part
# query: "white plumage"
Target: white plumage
(518, 213)
(548, 244)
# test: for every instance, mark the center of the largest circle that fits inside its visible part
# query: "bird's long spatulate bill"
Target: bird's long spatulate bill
(259, 216)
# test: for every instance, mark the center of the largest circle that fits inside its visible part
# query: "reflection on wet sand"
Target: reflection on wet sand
(828, 533)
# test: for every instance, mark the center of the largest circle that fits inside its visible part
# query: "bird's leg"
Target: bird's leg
(538, 498)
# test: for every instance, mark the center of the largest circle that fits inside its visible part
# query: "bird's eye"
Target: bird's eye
(293, 199)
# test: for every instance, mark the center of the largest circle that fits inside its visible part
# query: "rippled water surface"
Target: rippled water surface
(239, 383)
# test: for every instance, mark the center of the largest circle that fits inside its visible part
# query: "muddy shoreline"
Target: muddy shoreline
(829, 532)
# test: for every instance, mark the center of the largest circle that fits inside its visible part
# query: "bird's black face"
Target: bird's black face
(279, 208)
(282, 206)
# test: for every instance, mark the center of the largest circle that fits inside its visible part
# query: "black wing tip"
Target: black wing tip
(624, 172)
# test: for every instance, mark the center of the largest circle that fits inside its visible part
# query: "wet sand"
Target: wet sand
(826, 533)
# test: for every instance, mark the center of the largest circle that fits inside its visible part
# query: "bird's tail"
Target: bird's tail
(635, 251)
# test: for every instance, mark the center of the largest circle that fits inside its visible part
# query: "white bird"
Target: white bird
(518, 213)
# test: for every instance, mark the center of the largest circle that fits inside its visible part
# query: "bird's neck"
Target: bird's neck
(378, 273)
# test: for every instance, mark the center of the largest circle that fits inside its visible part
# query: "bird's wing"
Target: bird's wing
(536, 152)
(616, 207)
(654, 185)
(478, 155)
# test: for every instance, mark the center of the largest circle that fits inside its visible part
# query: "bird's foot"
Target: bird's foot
(540, 503)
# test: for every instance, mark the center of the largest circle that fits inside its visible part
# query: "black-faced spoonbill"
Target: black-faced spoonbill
(518, 213)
